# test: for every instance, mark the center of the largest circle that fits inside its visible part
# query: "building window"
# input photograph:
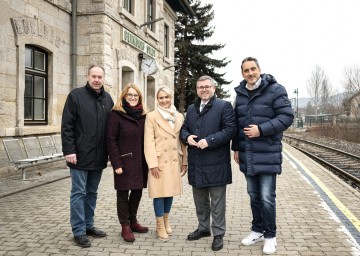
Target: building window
(166, 41)
(150, 13)
(35, 94)
(127, 5)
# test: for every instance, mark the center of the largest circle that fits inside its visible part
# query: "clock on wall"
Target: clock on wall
(149, 66)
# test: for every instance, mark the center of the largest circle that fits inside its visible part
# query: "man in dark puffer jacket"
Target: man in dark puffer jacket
(263, 112)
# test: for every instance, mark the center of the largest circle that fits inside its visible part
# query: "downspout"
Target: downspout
(73, 44)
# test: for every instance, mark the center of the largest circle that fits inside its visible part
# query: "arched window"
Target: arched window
(36, 83)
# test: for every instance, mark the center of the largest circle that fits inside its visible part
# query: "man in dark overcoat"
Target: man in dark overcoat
(83, 131)
(209, 126)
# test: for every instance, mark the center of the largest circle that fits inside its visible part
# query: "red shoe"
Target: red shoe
(136, 227)
(126, 233)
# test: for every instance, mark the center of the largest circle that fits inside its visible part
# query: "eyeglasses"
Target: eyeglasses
(130, 95)
(206, 87)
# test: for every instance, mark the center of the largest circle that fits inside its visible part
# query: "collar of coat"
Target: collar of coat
(197, 103)
(164, 124)
(128, 116)
(266, 79)
(93, 92)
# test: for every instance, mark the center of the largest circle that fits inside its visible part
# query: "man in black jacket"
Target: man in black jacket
(209, 126)
(83, 131)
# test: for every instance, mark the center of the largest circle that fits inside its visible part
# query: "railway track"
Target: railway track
(343, 164)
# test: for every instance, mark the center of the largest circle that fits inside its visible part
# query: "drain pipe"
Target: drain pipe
(73, 65)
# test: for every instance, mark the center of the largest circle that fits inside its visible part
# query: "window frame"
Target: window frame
(127, 5)
(34, 72)
(166, 40)
(150, 13)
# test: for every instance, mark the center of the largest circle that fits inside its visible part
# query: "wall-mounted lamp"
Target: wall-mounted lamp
(171, 66)
(150, 22)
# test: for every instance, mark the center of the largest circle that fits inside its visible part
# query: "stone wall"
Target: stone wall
(100, 23)
(45, 24)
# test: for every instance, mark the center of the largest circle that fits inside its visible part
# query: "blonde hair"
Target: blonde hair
(119, 104)
(166, 90)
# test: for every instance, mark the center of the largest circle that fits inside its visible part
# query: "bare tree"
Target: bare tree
(351, 79)
(319, 89)
(309, 110)
(336, 106)
(325, 96)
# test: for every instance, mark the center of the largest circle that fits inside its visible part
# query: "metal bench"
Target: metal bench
(32, 156)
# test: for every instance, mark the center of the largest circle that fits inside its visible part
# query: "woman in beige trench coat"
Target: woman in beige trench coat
(166, 157)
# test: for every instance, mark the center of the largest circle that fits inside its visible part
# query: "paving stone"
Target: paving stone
(36, 221)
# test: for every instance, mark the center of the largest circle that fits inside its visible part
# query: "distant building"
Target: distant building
(352, 104)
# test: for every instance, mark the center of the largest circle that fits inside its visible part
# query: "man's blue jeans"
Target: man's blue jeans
(262, 192)
(84, 185)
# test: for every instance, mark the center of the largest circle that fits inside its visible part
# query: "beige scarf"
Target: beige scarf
(169, 114)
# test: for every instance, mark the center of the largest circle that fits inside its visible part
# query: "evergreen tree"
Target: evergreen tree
(192, 56)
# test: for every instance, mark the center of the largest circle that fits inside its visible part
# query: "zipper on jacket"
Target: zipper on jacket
(128, 154)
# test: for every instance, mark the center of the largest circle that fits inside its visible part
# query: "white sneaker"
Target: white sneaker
(269, 245)
(253, 238)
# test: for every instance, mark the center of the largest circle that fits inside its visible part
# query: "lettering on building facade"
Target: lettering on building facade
(35, 27)
(138, 43)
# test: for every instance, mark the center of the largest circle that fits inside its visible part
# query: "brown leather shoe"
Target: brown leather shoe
(136, 227)
(126, 233)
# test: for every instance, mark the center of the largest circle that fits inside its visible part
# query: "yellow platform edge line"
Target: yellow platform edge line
(355, 221)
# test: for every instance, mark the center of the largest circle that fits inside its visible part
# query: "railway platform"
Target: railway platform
(317, 214)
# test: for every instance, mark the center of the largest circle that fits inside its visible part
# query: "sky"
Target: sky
(289, 38)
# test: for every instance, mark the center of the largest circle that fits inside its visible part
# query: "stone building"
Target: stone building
(352, 105)
(46, 47)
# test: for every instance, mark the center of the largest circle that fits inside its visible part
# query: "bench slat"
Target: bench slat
(47, 145)
(14, 150)
(32, 147)
(57, 142)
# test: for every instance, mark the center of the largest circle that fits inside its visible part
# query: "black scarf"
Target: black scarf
(93, 92)
(135, 112)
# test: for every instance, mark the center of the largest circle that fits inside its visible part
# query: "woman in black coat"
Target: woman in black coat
(125, 142)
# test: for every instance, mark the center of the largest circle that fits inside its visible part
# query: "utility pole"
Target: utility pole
(297, 102)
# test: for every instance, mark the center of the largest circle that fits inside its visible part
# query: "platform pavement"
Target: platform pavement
(36, 221)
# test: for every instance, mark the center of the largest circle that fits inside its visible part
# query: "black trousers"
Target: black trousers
(127, 205)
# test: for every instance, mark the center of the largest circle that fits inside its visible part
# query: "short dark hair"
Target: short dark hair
(250, 59)
(93, 66)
